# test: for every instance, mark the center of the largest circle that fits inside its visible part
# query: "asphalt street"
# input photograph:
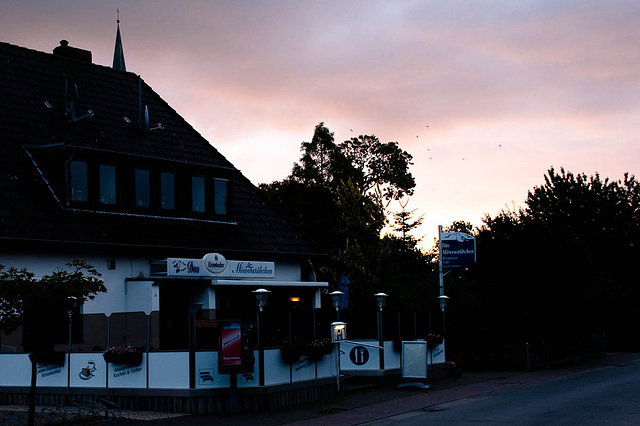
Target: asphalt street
(607, 396)
(469, 396)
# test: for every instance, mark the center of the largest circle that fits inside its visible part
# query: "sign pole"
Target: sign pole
(440, 274)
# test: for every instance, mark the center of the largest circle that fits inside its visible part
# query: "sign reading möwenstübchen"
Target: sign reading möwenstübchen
(457, 249)
(215, 265)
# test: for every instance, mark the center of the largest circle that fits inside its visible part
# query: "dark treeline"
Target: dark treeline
(560, 268)
(563, 267)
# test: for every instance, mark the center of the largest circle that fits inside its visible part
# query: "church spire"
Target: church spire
(118, 54)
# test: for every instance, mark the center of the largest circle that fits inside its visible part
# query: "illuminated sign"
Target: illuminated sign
(231, 345)
(215, 265)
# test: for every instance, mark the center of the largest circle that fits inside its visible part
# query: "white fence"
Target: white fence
(170, 370)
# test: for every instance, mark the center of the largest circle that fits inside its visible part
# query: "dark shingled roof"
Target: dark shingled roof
(33, 126)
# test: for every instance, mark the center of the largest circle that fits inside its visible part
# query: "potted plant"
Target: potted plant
(122, 355)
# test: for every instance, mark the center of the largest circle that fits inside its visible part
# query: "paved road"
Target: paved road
(608, 396)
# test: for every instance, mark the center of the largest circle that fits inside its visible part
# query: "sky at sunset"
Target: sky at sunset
(486, 95)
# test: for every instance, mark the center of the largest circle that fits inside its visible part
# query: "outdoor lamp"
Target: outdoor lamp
(443, 301)
(381, 299)
(261, 297)
(74, 304)
(336, 297)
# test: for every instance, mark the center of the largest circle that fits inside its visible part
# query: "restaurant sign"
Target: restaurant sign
(457, 249)
(215, 265)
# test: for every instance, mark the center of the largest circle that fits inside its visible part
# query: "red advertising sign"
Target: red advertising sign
(231, 344)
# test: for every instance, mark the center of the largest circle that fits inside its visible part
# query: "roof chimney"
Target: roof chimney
(72, 52)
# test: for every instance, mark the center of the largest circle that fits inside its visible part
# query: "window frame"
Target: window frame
(85, 179)
(99, 191)
(161, 191)
(149, 188)
(215, 196)
(91, 177)
(202, 192)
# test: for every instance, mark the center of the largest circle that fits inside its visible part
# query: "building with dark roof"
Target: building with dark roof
(95, 165)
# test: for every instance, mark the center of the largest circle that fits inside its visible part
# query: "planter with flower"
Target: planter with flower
(122, 355)
(318, 348)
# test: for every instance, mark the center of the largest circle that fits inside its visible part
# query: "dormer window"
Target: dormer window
(121, 184)
(220, 191)
(79, 181)
(107, 184)
(142, 188)
(167, 191)
(197, 194)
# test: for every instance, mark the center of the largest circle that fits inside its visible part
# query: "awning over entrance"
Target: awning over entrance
(270, 283)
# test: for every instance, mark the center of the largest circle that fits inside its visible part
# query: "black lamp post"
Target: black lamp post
(73, 301)
(381, 300)
(261, 302)
(443, 304)
(336, 298)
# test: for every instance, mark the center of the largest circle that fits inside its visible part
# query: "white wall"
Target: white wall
(285, 271)
(141, 296)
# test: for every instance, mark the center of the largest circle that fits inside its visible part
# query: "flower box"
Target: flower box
(316, 350)
(122, 355)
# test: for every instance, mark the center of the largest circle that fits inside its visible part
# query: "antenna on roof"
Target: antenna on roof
(144, 125)
(118, 53)
(70, 104)
(146, 121)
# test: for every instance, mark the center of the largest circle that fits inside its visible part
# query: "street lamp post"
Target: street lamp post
(381, 300)
(73, 305)
(443, 304)
(261, 302)
(336, 298)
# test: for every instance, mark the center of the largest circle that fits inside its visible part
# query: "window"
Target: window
(79, 181)
(143, 188)
(220, 189)
(197, 194)
(107, 184)
(167, 191)
(111, 183)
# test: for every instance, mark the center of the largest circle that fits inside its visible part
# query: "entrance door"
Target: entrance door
(174, 317)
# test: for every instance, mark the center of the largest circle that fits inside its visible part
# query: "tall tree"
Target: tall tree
(384, 166)
(337, 195)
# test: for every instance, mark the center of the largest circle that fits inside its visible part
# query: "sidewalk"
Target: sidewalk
(376, 403)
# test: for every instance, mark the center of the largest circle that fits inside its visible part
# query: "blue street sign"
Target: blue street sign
(457, 249)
